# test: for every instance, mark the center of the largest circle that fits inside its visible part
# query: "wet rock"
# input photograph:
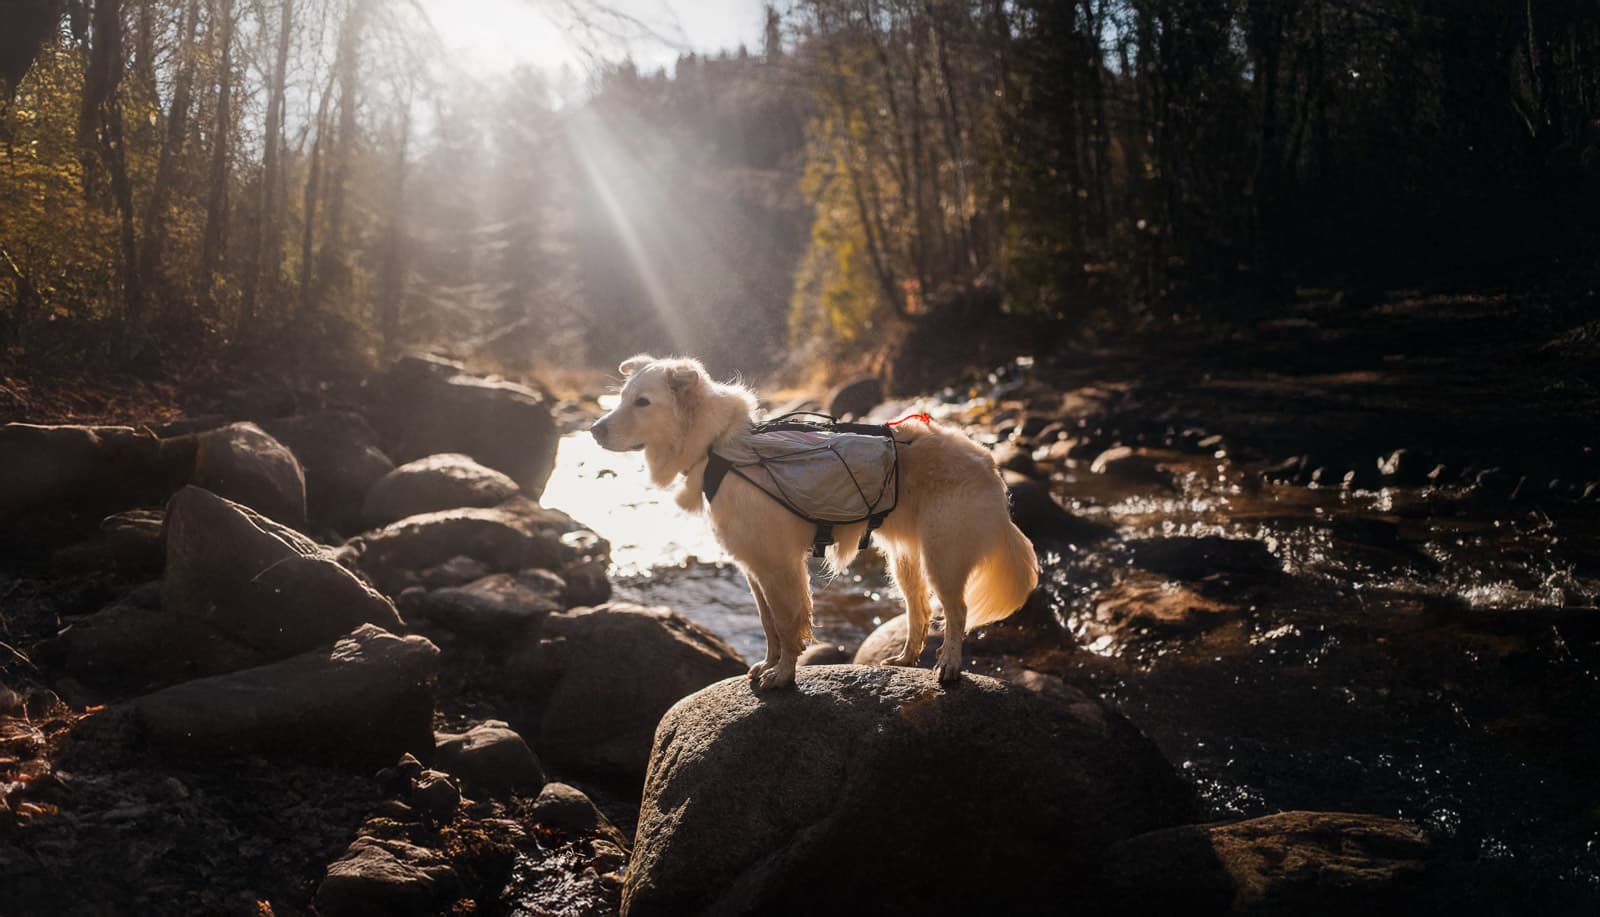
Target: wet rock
(854, 398)
(587, 583)
(133, 540)
(1154, 606)
(495, 607)
(60, 481)
(361, 702)
(244, 464)
(595, 681)
(1132, 467)
(1041, 518)
(1193, 558)
(750, 797)
(379, 876)
(437, 482)
(513, 536)
(490, 757)
(503, 425)
(825, 654)
(1311, 863)
(341, 458)
(566, 808)
(237, 574)
(457, 571)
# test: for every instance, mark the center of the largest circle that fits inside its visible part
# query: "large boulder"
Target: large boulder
(361, 702)
(513, 536)
(1301, 863)
(437, 482)
(246, 465)
(234, 573)
(386, 876)
(126, 648)
(595, 681)
(882, 785)
(433, 407)
(855, 398)
(60, 481)
(339, 452)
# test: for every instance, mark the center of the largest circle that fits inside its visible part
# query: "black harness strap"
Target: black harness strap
(717, 468)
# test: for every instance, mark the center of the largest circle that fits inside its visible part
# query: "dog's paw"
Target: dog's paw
(778, 676)
(900, 661)
(757, 669)
(949, 669)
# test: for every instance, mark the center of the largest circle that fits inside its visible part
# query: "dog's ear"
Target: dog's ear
(686, 378)
(634, 363)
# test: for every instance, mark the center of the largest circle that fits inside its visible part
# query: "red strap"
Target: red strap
(922, 417)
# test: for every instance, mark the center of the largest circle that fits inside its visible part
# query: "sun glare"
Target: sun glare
(492, 35)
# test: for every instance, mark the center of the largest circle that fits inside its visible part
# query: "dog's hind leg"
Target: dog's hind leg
(949, 582)
(787, 590)
(767, 625)
(913, 583)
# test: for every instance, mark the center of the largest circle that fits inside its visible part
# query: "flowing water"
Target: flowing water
(1415, 652)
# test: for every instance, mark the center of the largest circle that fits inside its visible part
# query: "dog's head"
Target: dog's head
(657, 398)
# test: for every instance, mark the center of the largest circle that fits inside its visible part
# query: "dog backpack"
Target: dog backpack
(826, 472)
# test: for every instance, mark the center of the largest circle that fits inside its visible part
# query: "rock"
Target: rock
(378, 876)
(489, 757)
(1150, 604)
(825, 654)
(1013, 457)
(595, 682)
(242, 463)
(566, 808)
(854, 398)
(340, 454)
(437, 482)
(1193, 558)
(1404, 467)
(134, 540)
(587, 583)
(889, 639)
(889, 785)
(1132, 467)
(436, 796)
(505, 426)
(1311, 863)
(124, 648)
(457, 571)
(495, 607)
(60, 481)
(362, 702)
(235, 573)
(1041, 518)
(513, 536)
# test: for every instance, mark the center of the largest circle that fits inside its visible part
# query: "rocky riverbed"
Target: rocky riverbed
(369, 658)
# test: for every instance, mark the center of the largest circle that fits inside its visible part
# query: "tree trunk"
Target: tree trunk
(216, 231)
(392, 276)
(265, 256)
(155, 213)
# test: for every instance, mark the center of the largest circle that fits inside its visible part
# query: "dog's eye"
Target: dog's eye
(641, 402)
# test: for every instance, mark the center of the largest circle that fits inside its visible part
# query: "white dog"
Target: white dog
(951, 529)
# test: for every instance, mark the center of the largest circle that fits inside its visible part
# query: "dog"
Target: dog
(950, 531)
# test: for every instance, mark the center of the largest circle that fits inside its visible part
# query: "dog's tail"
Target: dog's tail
(1001, 581)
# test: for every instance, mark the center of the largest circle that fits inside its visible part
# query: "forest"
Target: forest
(189, 179)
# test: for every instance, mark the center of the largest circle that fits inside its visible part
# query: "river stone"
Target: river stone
(125, 648)
(361, 702)
(1042, 519)
(244, 464)
(60, 481)
(340, 455)
(514, 536)
(1302, 863)
(981, 797)
(855, 398)
(1142, 603)
(133, 539)
(381, 876)
(503, 425)
(566, 808)
(491, 757)
(493, 607)
(595, 681)
(437, 482)
(1192, 558)
(234, 572)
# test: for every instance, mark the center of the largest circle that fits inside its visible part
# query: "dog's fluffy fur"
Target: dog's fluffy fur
(951, 531)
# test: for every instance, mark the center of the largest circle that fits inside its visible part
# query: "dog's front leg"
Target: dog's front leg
(767, 625)
(787, 590)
